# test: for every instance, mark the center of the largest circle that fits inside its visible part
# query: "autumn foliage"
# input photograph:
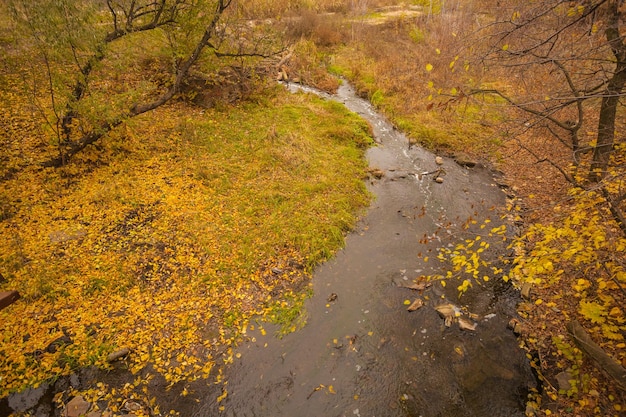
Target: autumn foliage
(181, 224)
(524, 87)
(174, 230)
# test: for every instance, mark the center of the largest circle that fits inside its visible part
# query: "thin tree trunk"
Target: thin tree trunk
(610, 100)
(183, 71)
(607, 363)
(606, 124)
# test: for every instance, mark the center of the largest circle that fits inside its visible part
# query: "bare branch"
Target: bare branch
(94, 135)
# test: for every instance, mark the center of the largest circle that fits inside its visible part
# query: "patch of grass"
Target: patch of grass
(387, 64)
(433, 6)
(288, 312)
(417, 35)
(377, 98)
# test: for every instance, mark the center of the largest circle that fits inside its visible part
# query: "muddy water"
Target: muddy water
(363, 354)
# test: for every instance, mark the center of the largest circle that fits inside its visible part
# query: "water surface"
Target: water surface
(362, 353)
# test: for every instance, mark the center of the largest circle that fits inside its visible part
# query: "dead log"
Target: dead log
(593, 350)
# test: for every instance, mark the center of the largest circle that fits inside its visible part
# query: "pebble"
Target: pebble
(563, 379)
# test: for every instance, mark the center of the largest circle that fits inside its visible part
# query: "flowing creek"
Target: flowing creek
(361, 352)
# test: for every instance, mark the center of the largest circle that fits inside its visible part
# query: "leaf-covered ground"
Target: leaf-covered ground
(171, 234)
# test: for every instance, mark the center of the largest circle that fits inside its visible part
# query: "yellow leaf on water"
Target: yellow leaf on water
(223, 396)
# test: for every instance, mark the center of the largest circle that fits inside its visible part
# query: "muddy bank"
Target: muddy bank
(362, 353)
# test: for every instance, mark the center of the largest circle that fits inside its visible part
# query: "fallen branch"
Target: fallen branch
(589, 347)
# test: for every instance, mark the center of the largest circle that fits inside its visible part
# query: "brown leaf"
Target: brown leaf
(418, 303)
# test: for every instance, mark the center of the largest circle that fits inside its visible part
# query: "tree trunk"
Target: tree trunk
(606, 124)
(611, 95)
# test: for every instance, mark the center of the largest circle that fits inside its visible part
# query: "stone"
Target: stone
(377, 173)
(77, 407)
(439, 160)
(439, 180)
(563, 379)
(465, 160)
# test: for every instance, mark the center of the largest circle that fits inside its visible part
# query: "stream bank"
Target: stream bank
(361, 352)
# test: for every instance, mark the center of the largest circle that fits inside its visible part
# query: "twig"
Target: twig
(606, 362)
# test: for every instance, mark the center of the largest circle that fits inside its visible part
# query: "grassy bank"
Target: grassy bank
(172, 234)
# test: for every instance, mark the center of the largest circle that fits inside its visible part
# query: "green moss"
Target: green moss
(377, 98)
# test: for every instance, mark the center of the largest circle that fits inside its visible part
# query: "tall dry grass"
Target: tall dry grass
(414, 66)
(256, 9)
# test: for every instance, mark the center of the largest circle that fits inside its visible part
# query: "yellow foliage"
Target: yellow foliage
(171, 237)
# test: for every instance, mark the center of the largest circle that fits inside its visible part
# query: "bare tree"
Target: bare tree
(577, 56)
(87, 31)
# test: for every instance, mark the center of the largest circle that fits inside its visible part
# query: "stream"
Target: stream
(361, 352)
